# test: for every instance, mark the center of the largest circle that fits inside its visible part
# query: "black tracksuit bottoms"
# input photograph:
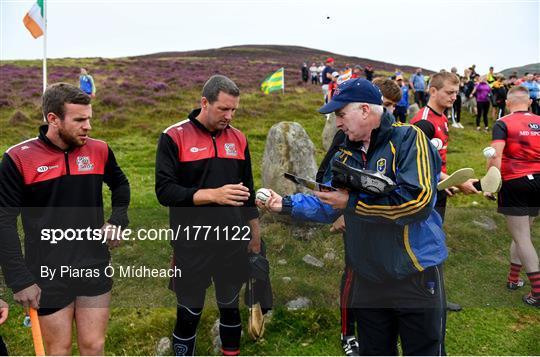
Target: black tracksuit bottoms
(413, 309)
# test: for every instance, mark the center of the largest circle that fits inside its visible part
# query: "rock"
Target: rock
(268, 317)
(413, 109)
(329, 131)
(330, 256)
(164, 347)
(311, 260)
(486, 223)
(299, 303)
(286, 279)
(282, 262)
(288, 149)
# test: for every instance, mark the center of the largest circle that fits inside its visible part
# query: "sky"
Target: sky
(432, 34)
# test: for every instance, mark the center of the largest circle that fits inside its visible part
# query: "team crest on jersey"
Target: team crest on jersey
(230, 149)
(534, 126)
(381, 165)
(84, 164)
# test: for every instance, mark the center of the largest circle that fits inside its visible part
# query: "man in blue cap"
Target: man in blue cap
(393, 240)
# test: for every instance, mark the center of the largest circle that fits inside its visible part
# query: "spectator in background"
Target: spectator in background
(326, 75)
(314, 73)
(456, 107)
(534, 92)
(499, 91)
(511, 82)
(519, 81)
(368, 71)
(332, 86)
(401, 107)
(490, 77)
(482, 92)
(470, 102)
(319, 72)
(86, 83)
(473, 71)
(391, 94)
(419, 88)
(305, 73)
(356, 71)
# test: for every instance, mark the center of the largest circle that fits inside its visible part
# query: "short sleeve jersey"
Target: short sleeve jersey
(440, 124)
(521, 155)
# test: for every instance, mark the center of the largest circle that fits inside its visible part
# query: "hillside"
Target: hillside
(529, 68)
(288, 56)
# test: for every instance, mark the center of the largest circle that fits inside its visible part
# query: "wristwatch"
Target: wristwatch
(286, 206)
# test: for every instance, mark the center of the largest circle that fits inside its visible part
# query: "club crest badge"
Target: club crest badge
(84, 164)
(381, 165)
(230, 149)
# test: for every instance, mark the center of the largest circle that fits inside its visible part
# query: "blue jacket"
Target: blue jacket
(86, 84)
(534, 89)
(398, 234)
(404, 102)
(418, 82)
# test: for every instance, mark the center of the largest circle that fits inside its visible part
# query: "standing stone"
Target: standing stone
(288, 149)
(329, 131)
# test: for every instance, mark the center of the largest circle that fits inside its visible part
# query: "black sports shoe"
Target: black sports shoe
(452, 306)
(510, 285)
(530, 300)
(350, 346)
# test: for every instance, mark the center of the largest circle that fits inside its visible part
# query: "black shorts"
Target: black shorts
(59, 292)
(226, 266)
(520, 197)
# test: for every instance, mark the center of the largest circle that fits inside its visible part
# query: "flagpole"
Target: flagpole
(44, 45)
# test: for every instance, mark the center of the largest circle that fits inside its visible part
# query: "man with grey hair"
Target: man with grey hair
(203, 174)
(394, 241)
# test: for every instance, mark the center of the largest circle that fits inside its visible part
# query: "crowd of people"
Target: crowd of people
(393, 282)
(477, 93)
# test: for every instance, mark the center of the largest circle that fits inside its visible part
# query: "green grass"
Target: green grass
(494, 322)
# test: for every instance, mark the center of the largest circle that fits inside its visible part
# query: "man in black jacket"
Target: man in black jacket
(55, 183)
(203, 174)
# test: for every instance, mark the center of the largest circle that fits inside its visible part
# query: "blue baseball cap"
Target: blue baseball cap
(358, 90)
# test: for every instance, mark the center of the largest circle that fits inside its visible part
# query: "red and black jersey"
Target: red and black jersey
(440, 125)
(189, 158)
(55, 189)
(521, 133)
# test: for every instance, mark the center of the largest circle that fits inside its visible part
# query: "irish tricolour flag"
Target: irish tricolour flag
(34, 19)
